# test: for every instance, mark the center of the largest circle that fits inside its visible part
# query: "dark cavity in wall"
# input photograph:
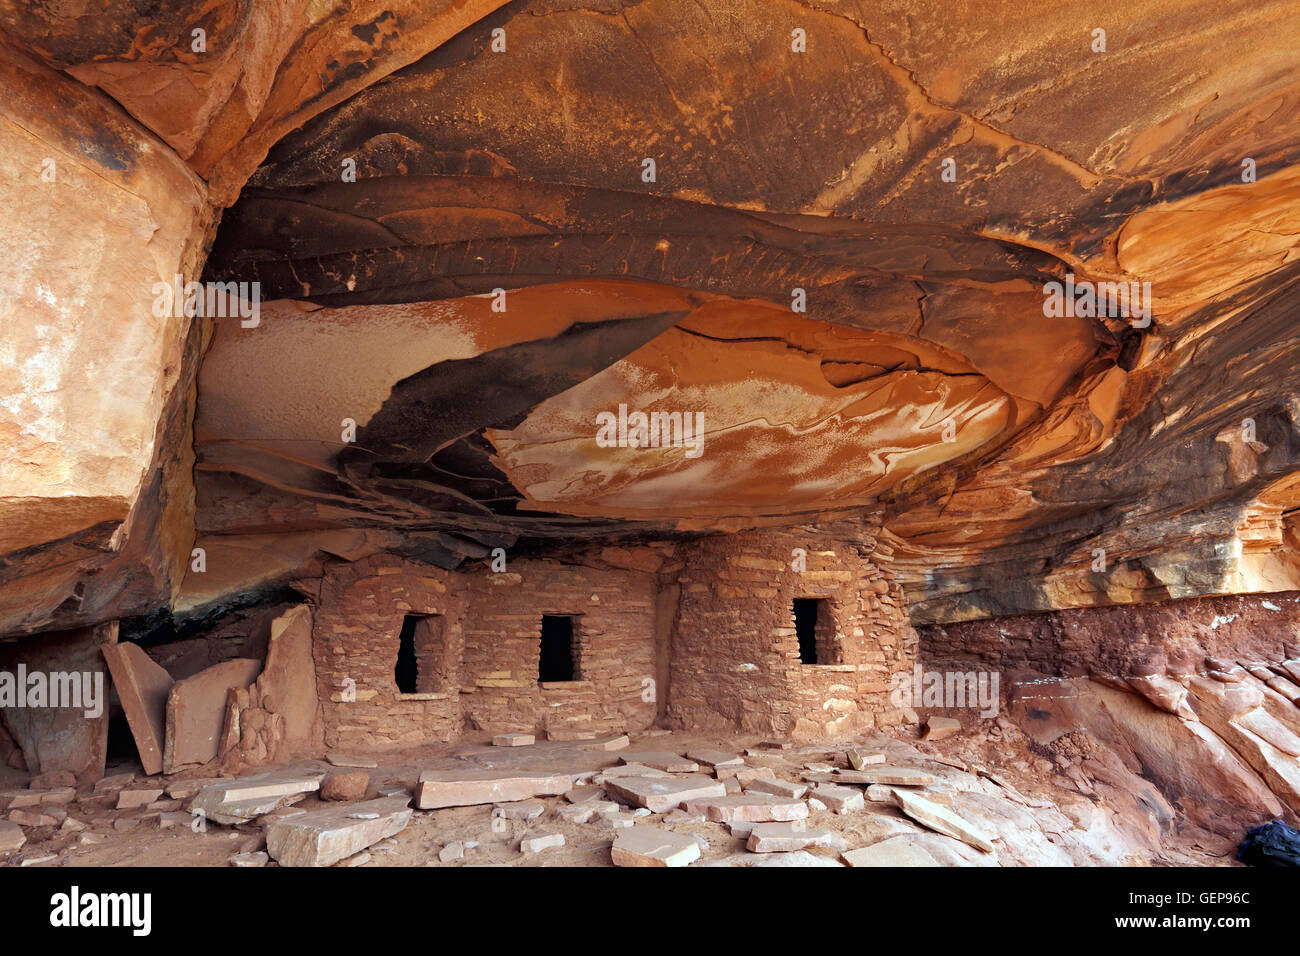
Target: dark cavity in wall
(810, 620)
(407, 672)
(556, 660)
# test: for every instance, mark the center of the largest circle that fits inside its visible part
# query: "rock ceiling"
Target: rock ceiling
(833, 256)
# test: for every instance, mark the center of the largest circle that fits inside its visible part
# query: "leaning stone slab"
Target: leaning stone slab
(324, 837)
(787, 837)
(662, 760)
(941, 820)
(288, 679)
(467, 788)
(239, 801)
(143, 686)
(650, 846)
(660, 794)
(196, 711)
(896, 851)
(755, 807)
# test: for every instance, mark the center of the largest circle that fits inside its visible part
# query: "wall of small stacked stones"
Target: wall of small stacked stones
(735, 654)
(492, 626)
(614, 631)
(356, 635)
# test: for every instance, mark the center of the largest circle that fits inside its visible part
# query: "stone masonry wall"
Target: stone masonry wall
(614, 630)
(355, 641)
(735, 652)
(488, 663)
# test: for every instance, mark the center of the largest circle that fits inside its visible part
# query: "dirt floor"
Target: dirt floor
(1031, 812)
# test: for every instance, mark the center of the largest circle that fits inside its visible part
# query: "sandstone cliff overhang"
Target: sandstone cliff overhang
(833, 251)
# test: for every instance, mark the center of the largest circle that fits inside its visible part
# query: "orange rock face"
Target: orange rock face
(825, 236)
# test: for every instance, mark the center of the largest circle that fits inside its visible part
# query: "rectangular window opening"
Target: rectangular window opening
(421, 655)
(815, 628)
(558, 659)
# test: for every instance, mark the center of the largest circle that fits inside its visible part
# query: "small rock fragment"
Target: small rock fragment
(348, 786)
(521, 810)
(513, 740)
(937, 728)
(538, 842)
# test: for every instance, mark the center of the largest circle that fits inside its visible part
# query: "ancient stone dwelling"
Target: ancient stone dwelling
(427, 402)
(720, 634)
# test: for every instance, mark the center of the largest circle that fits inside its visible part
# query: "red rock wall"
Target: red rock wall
(1173, 636)
(735, 653)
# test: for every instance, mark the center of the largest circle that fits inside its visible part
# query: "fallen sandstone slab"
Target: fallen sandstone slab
(895, 851)
(196, 709)
(324, 837)
(788, 837)
(716, 758)
(797, 858)
(11, 837)
(513, 740)
(239, 801)
(650, 846)
(467, 788)
(941, 820)
(780, 788)
(840, 799)
(660, 794)
(143, 688)
(754, 807)
(661, 760)
(893, 776)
